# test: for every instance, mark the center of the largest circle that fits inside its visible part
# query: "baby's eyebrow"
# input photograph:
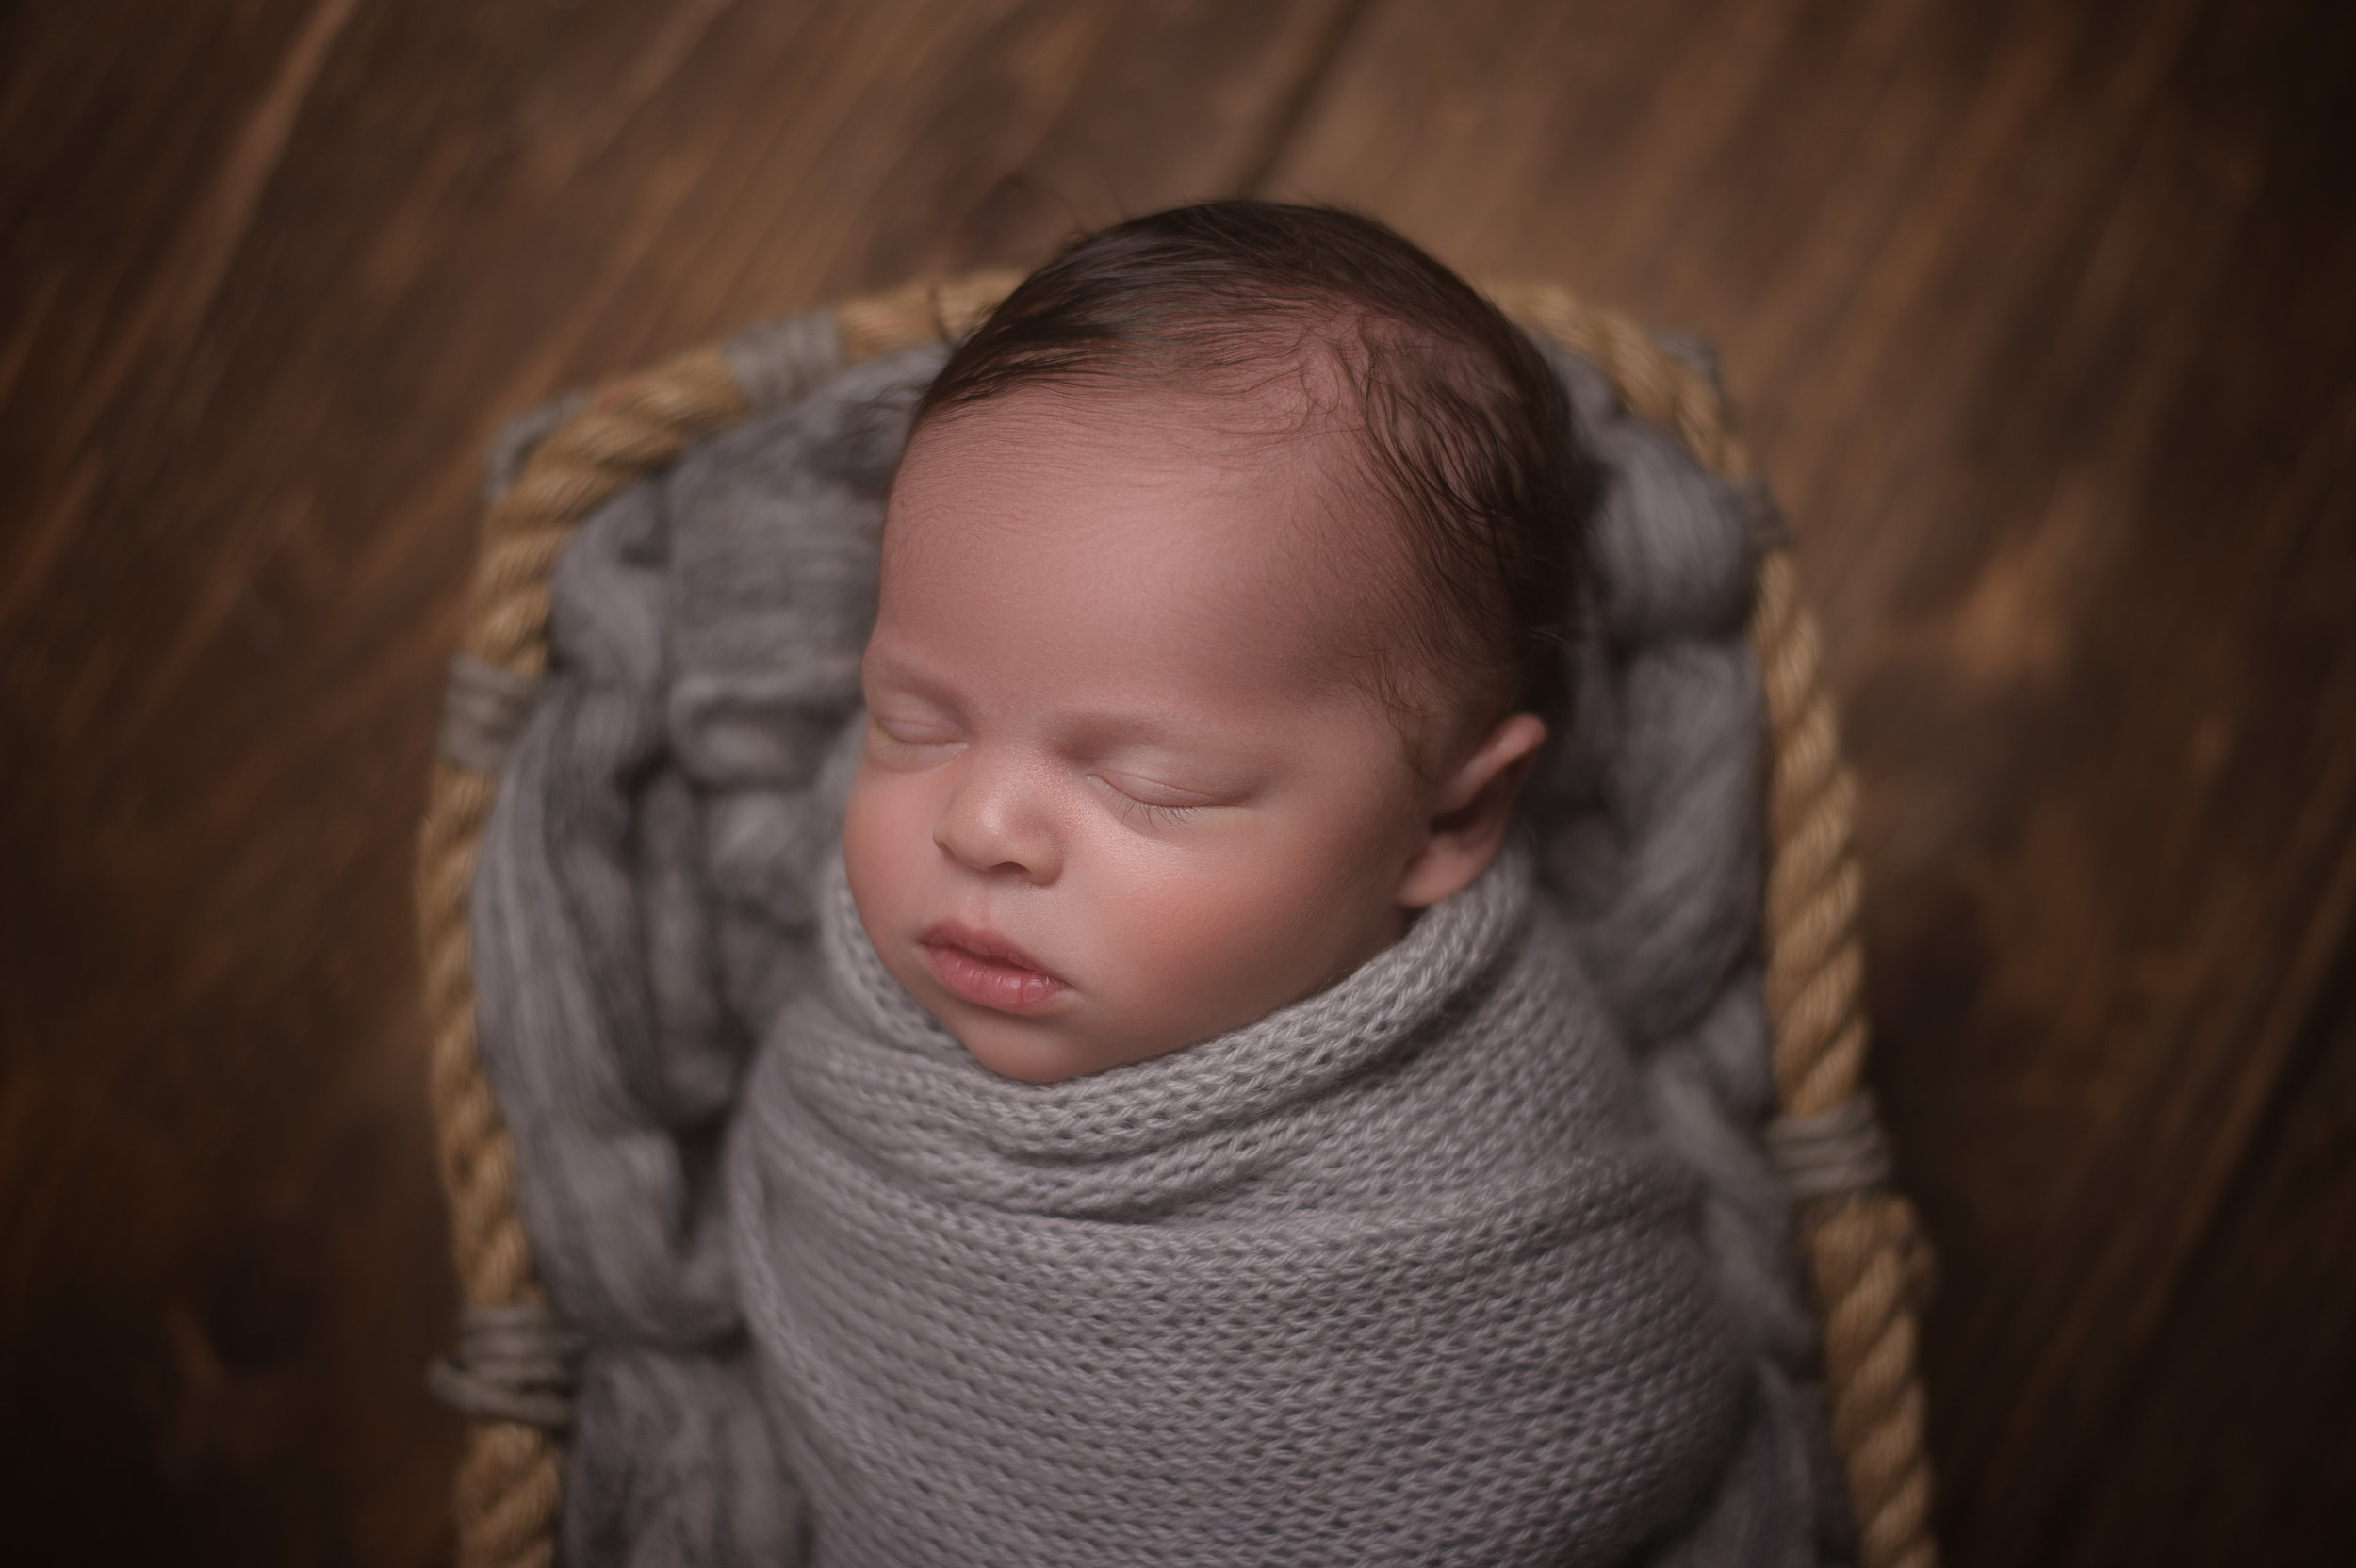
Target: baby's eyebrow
(1208, 761)
(881, 662)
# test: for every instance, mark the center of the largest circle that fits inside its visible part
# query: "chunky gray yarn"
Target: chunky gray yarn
(1473, 1258)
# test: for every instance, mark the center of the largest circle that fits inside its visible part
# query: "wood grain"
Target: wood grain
(2235, 1441)
(275, 273)
(2032, 309)
(2038, 311)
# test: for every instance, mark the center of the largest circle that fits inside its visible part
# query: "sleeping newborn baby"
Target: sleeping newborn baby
(1220, 580)
(1187, 1129)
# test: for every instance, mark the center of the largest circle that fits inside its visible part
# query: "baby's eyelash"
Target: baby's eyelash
(878, 731)
(1125, 798)
(1158, 816)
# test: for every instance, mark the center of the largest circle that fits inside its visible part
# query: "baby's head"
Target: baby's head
(1224, 577)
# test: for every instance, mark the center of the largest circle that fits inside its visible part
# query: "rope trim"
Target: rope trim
(509, 1481)
(1860, 1242)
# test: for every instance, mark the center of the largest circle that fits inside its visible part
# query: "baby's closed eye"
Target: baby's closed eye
(911, 739)
(1152, 800)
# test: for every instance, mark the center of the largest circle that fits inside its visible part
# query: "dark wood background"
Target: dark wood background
(2042, 315)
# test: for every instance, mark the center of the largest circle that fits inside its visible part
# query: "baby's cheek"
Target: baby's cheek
(883, 832)
(1228, 940)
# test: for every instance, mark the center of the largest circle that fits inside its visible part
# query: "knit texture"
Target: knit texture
(1473, 1258)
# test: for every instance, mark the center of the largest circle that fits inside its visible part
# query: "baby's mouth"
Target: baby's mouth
(987, 971)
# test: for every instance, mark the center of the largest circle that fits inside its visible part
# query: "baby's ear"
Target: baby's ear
(1470, 810)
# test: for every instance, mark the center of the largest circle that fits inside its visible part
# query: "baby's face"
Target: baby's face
(1125, 787)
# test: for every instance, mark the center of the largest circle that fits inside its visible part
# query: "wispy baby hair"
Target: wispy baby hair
(1462, 434)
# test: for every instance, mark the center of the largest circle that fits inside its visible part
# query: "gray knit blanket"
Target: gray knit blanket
(1472, 1258)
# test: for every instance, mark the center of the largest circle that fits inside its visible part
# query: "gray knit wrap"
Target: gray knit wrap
(1473, 1258)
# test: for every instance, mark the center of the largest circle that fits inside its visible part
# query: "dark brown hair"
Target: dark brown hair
(1463, 435)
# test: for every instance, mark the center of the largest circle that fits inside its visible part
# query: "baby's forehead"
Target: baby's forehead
(1115, 452)
(1083, 526)
(1251, 488)
(1209, 490)
(1292, 454)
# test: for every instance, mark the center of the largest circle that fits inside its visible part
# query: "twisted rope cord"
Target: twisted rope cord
(1863, 1254)
(1864, 1259)
(510, 1476)
(880, 324)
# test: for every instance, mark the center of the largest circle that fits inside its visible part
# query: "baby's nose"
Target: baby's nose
(999, 821)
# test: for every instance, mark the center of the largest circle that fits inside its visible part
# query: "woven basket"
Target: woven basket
(1859, 1239)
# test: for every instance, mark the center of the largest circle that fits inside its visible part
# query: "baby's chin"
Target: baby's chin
(1040, 1051)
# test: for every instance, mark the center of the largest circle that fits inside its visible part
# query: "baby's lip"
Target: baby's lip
(983, 968)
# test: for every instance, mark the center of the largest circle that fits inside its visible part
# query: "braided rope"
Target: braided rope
(1864, 1256)
(880, 324)
(511, 1476)
(1864, 1259)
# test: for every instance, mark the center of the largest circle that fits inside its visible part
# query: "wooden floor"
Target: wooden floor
(2042, 316)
